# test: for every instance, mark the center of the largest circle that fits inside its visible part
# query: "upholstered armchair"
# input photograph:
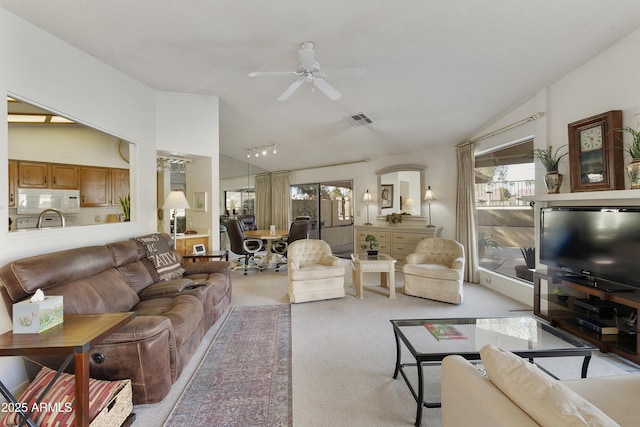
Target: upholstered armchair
(314, 273)
(435, 270)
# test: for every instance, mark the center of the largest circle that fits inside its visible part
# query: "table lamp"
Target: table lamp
(174, 201)
(367, 198)
(409, 205)
(429, 197)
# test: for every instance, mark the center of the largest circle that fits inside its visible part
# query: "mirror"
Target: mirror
(401, 189)
(48, 152)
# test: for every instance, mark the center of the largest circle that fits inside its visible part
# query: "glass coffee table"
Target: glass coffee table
(431, 340)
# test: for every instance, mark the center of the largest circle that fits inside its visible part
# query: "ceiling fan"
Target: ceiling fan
(308, 70)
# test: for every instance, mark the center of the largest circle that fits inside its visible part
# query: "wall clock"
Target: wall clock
(596, 155)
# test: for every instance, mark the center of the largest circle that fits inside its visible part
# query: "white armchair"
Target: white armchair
(435, 270)
(314, 273)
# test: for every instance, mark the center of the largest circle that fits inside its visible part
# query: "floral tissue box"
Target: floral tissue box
(34, 317)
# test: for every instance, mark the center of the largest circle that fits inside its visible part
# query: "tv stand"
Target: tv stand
(590, 308)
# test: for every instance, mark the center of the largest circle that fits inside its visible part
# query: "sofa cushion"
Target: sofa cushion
(166, 261)
(543, 398)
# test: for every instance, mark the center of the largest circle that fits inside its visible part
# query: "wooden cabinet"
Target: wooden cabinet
(95, 186)
(47, 175)
(598, 305)
(13, 184)
(65, 177)
(184, 244)
(119, 185)
(396, 241)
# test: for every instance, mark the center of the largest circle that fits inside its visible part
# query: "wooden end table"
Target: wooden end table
(381, 263)
(208, 255)
(75, 336)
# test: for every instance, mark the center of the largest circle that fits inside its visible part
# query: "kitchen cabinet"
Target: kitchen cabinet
(184, 244)
(64, 177)
(119, 185)
(47, 175)
(95, 186)
(394, 240)
(13, 187)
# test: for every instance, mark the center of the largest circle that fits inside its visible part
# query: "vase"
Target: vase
(553, 181)
(633, 171)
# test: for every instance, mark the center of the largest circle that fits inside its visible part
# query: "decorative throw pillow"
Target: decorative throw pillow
(163, 258)
(549, 402)
(57, 406)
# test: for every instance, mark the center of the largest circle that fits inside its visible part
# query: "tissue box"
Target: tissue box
(33, 317)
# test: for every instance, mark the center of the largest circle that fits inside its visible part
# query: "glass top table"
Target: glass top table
(431, 340)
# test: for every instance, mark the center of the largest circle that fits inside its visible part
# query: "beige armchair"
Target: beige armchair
(314, 273)
(435, 270)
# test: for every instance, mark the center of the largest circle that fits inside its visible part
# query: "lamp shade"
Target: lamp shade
(409, 202)
(428, 195)
(176, 200)
(367, 198)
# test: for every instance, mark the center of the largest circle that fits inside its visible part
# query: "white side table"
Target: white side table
(381, 263)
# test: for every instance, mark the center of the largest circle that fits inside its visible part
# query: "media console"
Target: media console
(602, 313)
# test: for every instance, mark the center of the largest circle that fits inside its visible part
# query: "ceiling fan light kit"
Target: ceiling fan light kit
(308, 70)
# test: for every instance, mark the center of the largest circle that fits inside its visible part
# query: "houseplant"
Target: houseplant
(560, 293)
(633, 148)
(485, 241)
(125, 204)
(372, 242)
(550, 160)
(394, 218)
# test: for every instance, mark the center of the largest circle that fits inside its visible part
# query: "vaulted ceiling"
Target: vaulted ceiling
(438, 70)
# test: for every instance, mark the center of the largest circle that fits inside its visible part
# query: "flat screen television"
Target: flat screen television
(598, 244)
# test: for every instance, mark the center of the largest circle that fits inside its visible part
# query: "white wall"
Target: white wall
(48, 73)
(607, 82)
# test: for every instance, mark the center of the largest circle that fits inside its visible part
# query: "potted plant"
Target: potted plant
(560, 293)
(125, 204)
(485, 241)
(633, 168)
(550, 160)
(371, 244)
(394, 218)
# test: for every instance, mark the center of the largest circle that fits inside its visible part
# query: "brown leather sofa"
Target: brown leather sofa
(171, 317)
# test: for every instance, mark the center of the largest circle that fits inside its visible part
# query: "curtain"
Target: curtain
(263, 201)
(466, 215)
(281, 200)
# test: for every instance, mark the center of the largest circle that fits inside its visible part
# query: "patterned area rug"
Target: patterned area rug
(245, 377)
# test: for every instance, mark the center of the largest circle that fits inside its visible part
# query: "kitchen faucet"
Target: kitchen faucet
(40, 217)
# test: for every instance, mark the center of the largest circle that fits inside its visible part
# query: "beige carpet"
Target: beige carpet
(344, 352)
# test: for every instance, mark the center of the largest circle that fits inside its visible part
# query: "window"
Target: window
(505, 220)
(240, 202)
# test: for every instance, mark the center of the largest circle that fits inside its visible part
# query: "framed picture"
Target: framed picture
(200, 201)
(386, 196)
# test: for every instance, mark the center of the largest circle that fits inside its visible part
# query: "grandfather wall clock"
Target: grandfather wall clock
(596, 153)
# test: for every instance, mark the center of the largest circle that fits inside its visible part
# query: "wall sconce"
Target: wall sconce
(429, 196)
(262, 150)
(367, 198)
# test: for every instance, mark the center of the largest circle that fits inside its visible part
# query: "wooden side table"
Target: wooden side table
(74, 337)
(208, 255)
(381, 263)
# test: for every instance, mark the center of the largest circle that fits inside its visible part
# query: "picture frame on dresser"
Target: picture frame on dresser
(596, 154)
(386, 196)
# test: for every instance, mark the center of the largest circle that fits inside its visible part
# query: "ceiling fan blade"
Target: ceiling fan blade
(289, 91)
(272, 73)
(348, 72)
(328, 90)
(307, 56)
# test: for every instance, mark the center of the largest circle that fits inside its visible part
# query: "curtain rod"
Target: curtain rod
(331, 165)
(504, 129)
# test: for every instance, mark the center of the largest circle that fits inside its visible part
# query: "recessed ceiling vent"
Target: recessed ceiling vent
(359, 119)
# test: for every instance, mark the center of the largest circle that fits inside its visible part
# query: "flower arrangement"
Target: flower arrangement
(394, 218)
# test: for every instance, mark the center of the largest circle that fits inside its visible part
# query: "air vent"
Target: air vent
(359, 119)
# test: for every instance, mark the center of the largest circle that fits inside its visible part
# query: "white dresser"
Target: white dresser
(397, 241)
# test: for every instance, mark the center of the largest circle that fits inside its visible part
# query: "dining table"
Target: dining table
(269, 237)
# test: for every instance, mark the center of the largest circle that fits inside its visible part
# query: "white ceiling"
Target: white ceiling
(438, 70)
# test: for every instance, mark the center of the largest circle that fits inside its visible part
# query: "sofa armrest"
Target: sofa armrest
(206, 267)
(165, 288)
(470, 399)
(415, 258)
(329, 260)
(458, 263)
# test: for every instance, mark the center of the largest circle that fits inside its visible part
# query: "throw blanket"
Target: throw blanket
(163, 258)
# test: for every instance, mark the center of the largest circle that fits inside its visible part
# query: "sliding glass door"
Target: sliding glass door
(329, 205)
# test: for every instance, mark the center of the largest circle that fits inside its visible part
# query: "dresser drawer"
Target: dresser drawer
(407, 238)
(402, 249)
(382, 236)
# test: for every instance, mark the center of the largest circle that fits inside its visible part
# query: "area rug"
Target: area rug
(245, 377)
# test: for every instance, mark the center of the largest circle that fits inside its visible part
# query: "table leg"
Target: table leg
(392, 283)
(420, 395)
(383, 279)
(82, 388)
(398, 355)
(585, 366)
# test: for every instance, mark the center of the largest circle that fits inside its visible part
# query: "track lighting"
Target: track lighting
(262, 150)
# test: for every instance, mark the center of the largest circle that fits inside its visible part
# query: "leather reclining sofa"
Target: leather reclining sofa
(171, 317)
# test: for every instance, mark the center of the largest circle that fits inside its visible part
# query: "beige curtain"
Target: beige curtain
(466, 216)
(263, 201)
(280, 200)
